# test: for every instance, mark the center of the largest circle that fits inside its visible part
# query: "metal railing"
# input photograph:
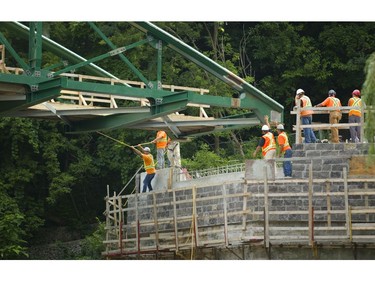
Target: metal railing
(233, 168)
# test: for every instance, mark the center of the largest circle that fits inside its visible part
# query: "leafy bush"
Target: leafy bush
(92, 246)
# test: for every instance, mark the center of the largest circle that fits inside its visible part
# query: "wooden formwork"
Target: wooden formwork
(135, 226)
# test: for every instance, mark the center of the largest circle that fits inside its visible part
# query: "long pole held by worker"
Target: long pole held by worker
(104, 135)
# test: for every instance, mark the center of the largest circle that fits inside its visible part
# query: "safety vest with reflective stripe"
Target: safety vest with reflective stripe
(269, 143)
(162, 143)
(283, 139)
(148, 163)
(332, 102)
(336, 102)
(306, 102)
(357, 102)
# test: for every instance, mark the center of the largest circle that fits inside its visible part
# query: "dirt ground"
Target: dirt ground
(362, 166)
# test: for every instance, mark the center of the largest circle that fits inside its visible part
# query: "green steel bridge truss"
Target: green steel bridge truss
(37, 85)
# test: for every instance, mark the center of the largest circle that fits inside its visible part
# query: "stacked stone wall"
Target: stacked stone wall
(210, 203)
(328, 159)
(233, 206)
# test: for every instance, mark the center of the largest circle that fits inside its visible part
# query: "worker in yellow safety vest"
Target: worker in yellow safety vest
(161, 142)
(149, 165)
(355, 116)
(267, 144)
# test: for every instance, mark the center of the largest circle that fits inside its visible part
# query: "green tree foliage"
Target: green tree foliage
(92, 245)
(204, 158)
(12, 244)
(313, 56)
(49, 177)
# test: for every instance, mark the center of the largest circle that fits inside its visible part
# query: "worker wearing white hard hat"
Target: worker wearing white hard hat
(266, 143)
(306, 114)
(149, 165)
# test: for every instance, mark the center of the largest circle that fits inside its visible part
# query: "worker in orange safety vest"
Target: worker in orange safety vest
(355, 116)
(306, 115)
(285, 149)
(334, 115)
(149, 165)
(161, 142)
(267, 144)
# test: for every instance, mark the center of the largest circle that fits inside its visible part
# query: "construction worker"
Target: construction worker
(161, 141)
(285, 150)
(334, 115)
(149, 165)
(355, 116)
(267, 144)
(306, 115)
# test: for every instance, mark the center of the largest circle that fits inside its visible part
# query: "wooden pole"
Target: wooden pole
(155, 221)
(120, 221)
(328, 190)
(298, 123)
(175, 221)
(266, 210)
(346, 194)
(362, 128)
(350, 224)
(311, 215)
(115, 211)
(107, 219)
(195, 216)
(244, 207)
(224, 193)
(137, 234)
(366, 202)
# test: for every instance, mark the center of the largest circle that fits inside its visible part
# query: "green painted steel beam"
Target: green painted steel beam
(56, 65)
(13, 52)
(126, 120)
(159, 54)
(38, 90)
(35, 45)
(162, 102)
(115, 89)
(45, 91)
(152, 94)
(22, 31)
(101, 57)
(21, 79)
(122, 56)
(211, 66)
